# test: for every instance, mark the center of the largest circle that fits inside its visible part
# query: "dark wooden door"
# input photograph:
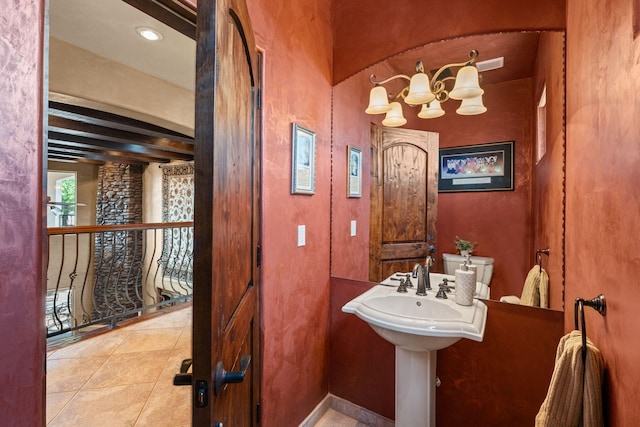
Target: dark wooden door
(226, 222)
(404, 199)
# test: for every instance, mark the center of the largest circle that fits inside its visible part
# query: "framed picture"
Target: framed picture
(354, 172)
(303, 160)
(486, 167)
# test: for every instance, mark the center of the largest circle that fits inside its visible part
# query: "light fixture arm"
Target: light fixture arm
(473, 55)
(381, 82)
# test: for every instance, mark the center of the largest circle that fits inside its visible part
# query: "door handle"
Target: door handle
(184, 378)
(223, 377)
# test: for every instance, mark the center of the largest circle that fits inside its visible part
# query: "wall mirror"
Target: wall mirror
(525, 104)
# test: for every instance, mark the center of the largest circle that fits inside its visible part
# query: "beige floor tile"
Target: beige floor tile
(71, 374)
(173, 365)
(104, 344)
(175, 319)
(149, 340)
(185, 338)
(129, 368)
(56, 401)
(336, 419)
(105, 407)
(156, 412)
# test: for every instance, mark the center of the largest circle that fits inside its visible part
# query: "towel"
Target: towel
(536, 288)
(570, 402)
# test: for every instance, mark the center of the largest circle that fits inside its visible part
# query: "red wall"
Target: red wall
(368, 31)
(501, 381)
(603, 201)
(22, 353)
(548, 200)
(296, 39)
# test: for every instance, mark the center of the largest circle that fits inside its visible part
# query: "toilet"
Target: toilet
(485, 266)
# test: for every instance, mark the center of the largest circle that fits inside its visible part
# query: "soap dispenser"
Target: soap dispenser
(465, 285)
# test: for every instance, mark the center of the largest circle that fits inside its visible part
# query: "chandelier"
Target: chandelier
(430, 92)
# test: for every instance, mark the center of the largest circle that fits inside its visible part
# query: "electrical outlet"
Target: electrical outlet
(302, 235)
(353, 228)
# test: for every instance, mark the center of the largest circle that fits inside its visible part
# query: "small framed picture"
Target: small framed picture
(303, 160)
(354, 172)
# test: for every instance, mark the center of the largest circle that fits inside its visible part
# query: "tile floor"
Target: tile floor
(123, 377)
(333, 418)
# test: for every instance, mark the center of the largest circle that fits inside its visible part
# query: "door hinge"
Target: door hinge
(258, 413)
(259, 99)
(259, 256)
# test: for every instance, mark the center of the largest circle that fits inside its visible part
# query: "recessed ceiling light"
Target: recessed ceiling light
(149, 34)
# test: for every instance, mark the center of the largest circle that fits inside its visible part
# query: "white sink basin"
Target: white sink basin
(419, 323)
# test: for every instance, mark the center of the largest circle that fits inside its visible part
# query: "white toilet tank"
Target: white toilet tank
(485, 266)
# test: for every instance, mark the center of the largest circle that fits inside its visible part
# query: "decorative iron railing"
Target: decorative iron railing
(99, 275)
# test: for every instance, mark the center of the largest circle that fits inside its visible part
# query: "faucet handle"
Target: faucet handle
(403, 285)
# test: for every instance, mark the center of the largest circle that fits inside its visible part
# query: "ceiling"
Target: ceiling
(96, 135)
(107, 28)
(519, 50)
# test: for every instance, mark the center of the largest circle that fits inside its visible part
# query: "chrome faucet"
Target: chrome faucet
(422, 274)
(418, 272)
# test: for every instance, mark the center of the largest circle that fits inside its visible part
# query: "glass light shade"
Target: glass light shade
(394, 118)
(467, 84)
(471, 107)
(431, 111)
(419, 90)
(378, 101)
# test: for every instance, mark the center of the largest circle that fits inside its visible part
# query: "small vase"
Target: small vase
(465, 253)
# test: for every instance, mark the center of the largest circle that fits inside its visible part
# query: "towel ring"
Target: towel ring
(598, 303)
(539, 253)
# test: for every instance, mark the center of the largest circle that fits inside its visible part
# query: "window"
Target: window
(61, 199)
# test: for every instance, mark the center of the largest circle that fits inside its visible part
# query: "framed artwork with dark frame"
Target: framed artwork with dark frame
(354, 172)
(485, 167)
(303, 160)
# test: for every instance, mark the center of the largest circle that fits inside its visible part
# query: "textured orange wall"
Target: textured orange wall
(603, 201)
(368, 31)
(22, 353)
(548, 174)
(296, 39)
(501, 381)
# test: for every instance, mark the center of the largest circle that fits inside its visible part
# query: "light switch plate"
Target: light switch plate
(302, 235)
(353, 228)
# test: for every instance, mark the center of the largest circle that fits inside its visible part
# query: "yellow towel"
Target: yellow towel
(569, 403)
(536, 288)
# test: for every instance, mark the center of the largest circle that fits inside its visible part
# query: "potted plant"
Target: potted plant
(464, 247)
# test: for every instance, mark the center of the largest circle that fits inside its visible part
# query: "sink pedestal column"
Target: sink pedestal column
(415, 388)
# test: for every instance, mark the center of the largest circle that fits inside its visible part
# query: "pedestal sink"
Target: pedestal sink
(418, 326)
